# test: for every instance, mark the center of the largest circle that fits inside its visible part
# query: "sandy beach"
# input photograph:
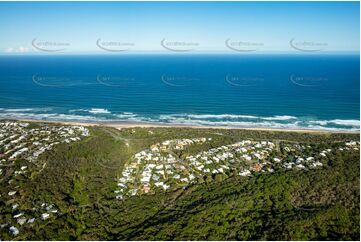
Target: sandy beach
(118, 125)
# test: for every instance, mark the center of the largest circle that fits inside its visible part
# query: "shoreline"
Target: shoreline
(124, 125)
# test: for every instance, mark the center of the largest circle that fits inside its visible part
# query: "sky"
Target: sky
(141, 27)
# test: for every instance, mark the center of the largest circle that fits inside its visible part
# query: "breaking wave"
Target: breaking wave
(229, 120)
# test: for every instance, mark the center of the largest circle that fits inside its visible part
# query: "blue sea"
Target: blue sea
(278, 91)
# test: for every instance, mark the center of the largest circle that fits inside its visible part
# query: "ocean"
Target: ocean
(308, 91)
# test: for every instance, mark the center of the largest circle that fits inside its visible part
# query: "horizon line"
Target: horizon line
(350, 52)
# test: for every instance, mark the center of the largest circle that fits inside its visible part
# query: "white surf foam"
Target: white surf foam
(343, 122)
(230, 120)
(279, 117)
(98, 111)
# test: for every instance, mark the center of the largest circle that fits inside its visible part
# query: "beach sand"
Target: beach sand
(155, 125)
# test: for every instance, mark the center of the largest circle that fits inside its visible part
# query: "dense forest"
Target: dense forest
(79, 179)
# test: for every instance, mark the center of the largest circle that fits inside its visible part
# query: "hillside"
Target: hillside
(235, 184)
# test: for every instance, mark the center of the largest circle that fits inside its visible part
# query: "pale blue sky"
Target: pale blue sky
(209, 24)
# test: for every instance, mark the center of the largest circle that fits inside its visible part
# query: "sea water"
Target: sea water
(309, 91)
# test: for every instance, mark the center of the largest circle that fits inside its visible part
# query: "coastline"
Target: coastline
(124, 125)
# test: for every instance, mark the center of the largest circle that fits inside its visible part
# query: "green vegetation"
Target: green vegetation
(79, 178)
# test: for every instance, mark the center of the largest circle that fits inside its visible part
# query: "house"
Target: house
(155, 177)
(154, 148)
(270, 170)
(13, 230)
(310, 158)
(45, 216)
(257, 167)
(157, 168)
(31, 220)
(145, 179)
(158, 184)
(200, 167)
(288, 165)
(247, 157)
(299, 160)
(12, 193)
(121, 185)
(245, 173)
(18, 215)
(133, 192)
(165, 186)
(146, 189)
(317, 163)
(21, 221)
(161, 172)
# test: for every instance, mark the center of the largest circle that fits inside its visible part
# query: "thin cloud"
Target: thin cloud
(19, 49)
